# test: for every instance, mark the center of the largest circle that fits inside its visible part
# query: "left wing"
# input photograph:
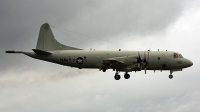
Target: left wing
(118, 61)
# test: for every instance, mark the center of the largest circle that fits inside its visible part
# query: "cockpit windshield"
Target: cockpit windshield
(177, 55)
(180, 56)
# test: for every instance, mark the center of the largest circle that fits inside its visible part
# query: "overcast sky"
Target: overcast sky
(33, 85)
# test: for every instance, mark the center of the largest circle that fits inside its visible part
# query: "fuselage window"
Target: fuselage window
(85, 59)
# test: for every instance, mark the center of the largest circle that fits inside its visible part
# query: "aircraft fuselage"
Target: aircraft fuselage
(157, 60)
(49, 49)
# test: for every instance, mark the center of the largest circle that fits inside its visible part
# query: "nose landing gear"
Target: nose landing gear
(171, 76)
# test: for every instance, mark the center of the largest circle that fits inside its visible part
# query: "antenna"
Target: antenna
(61, 30)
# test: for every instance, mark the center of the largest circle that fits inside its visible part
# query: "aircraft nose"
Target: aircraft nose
(189, 63)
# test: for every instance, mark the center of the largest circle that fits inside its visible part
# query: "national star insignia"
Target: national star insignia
(80, 61)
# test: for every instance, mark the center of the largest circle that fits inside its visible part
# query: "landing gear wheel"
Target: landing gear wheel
(104, 70)
(117, 77)
(126, 76)
(170, 76)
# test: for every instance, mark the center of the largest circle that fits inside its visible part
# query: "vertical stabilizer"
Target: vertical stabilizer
(47, 42)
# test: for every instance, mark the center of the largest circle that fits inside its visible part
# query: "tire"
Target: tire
(117, 77)
(170, 76)
(126, 76)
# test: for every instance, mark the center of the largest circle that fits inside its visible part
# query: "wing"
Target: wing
(118, 62)
(108, 63)
(113, 61)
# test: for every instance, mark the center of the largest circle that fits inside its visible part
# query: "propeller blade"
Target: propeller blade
(145, 63)
(142, 63)
(139, 59)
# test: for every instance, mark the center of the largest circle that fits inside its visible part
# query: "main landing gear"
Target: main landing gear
(117, 76)
(171, 76)
(104, 70)
(126, 76)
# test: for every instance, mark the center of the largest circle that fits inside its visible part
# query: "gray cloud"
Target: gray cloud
(21, 20)
(133, 17)
(101, 93)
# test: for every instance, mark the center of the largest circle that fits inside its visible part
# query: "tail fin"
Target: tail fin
(47, 42)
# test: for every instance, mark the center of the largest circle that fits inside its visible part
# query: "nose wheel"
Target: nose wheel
(170, 76)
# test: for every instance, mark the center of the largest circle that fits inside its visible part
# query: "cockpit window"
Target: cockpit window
(176, 55)
(180, 56)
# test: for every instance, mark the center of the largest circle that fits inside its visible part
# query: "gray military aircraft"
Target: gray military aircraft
(49, 49)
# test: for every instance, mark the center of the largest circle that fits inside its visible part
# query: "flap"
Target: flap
(41, 52)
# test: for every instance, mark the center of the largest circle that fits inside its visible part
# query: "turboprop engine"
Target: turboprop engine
(127, 60)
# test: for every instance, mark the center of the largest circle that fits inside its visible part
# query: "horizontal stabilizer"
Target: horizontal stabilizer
(41, 52)
(14, 52)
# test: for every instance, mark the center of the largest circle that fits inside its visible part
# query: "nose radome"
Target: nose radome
(190, 62)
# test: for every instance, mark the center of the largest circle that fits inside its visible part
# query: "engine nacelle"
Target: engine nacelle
(128, 60)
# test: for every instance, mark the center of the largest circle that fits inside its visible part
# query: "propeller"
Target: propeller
(142, 63)
(139, 61)
(145, 63)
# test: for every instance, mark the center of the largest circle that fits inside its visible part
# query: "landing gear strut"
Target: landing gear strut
(171, 76)
(126, 76)
(117, 76)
